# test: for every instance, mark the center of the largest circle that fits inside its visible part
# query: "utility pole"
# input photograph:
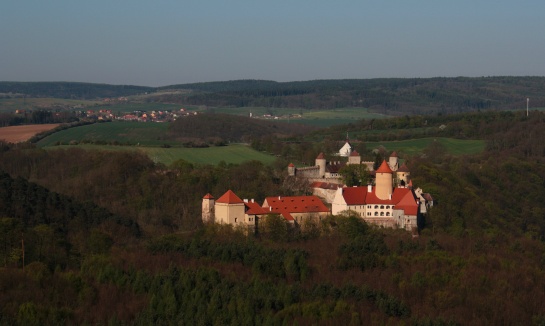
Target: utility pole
(23, 248)
(527, 104)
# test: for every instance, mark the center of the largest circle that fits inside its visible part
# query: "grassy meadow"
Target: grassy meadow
(129, 132)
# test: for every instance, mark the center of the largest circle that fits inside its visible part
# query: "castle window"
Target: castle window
(235, 219)
(382, 207)
(381, 213)
(376, 213)
(387, 213)
(376, 206)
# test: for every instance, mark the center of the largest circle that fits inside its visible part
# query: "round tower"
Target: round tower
(291, 170)
(320, 162)
(208, 203)
(384, 182)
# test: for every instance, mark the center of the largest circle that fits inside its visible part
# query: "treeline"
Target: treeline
(36, 117)
(71, 90)
(473, 125)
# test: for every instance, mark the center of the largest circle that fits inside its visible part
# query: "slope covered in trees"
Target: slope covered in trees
(478, 261)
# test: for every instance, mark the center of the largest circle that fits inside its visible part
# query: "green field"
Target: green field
(143, 133)
(416, 146)
(235, 154)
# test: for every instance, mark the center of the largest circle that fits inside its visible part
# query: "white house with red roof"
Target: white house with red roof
(382, 204)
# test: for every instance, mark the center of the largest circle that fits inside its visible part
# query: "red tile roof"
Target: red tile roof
(384, 168)
(291, 165)
(408, 204)
(355, 195)
(208, 196)
(394, 154)
(229, 198)
(253, 208)
(295, 204)
(354, 153)
(320, 156)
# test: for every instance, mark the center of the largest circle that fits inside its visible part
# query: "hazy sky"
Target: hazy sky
(156, 43)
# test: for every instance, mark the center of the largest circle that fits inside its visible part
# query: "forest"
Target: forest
(114, 238)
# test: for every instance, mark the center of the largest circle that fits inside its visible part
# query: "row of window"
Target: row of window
(378, 207)
(377, 214)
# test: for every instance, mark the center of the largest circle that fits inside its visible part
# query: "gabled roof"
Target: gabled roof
(355, 195)
(394, 154)
(295, 204)
(320, 156)
(408, 204)
(208, 196)
(229, 198)
(354, 153)
(253, 208)
(291, 165)
(384, 168)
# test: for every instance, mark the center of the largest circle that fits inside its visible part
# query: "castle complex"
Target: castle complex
(390, 202)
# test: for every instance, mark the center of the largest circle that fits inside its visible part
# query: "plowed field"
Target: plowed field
(16, 134)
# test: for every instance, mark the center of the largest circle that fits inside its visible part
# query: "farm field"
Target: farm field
(416, 146)
(145, 134)
(236, 153)
(16, 134)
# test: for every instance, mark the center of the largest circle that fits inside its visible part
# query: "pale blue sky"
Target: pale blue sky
(157, 43)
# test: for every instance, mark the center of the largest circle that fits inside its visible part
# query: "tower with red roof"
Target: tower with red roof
(384, 181)
(229, 209)
(208, 204)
